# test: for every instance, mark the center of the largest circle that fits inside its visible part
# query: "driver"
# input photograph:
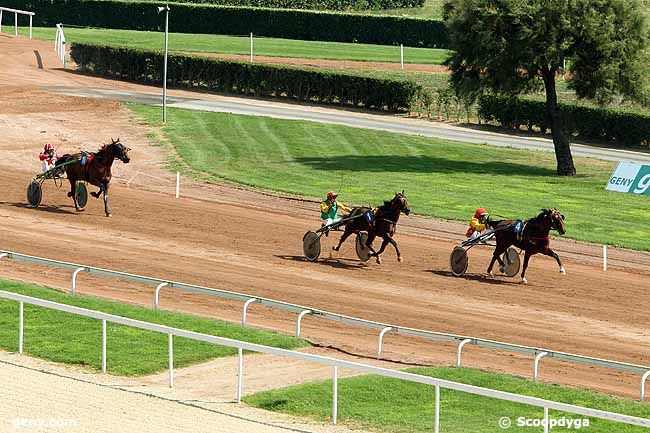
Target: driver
(48, 157)
(478, 224)
(329, 209)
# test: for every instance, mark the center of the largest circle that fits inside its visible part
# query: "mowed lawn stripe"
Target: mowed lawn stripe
(442, 179)
(272, 47)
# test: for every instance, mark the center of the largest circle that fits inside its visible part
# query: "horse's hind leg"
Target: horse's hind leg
(549, 252)
(107, 209)
(346, 234)
(73, 193)
(496, 257)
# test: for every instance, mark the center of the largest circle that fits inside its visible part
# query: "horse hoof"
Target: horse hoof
(334, 249)
(502, 269)
(491, 274)
(399, 259)
(108, 215)
(378, 261)
(524, 281)
(562, 271)
(69, 194)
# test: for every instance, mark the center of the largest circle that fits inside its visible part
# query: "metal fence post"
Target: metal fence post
(74, 279)
(2, 255)
(335, 394)
(302, 314)
(605, 258)
(251, 47)
(381, 339)
(30, 26)
(103, 345)
(240, 373)
(401, 55)
(546, 420)
(170, 348)
(178, 184)
(245, 310)
(538, 358)
(436, 424)
(459, 351)
(16, 23)
(643, 381)
(21, 327)
(156, 295)
(0, 21)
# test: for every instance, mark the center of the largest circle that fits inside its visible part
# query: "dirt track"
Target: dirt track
(238, 240)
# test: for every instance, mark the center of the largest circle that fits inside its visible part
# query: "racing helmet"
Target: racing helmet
(48, 147)
(332, 195)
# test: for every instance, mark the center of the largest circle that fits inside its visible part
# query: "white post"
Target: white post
(63, 53)
(240, 373)
(460, 350)
(166, 9)
(170, 348)
(74, 280)
(335, 394)
(643, 380)
(0, 20)
(3, 255)
(245, 311)
(302, 314)
(30, 26)
(16, 23)
(381, 338)
(605, 258)
(401, 55)
(156, 304)
(251, 47)
(21, 327)
(436, 423)
(103, 345)
(536, 364)
(178, 184)
(546, 427)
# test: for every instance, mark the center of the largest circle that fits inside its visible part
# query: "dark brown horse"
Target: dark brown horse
(382, 224)
(533, 238)
(96, 169)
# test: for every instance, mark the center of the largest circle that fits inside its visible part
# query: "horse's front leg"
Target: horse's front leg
(369, 241)
(523, 271)
(73, 193)
(107, 209)
(394, 244)
(549, 252)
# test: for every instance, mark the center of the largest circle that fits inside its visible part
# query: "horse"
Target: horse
(533, 238)
(381, 223)
(96, 169)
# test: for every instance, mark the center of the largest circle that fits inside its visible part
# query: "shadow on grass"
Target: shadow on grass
(421, 164)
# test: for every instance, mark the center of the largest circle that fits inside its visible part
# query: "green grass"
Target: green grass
(241, 45)
(391, 405)
(72, 339)
(442, 179)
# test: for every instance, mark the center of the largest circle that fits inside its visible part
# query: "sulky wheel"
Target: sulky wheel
(311, 246)
(511, 259)
(363, 252)
(458, 261)
(34, 194)
(81, 195)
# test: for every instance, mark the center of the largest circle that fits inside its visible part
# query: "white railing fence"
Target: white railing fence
(323, 360)
(536, 353)
(59, 43)
(17, 12)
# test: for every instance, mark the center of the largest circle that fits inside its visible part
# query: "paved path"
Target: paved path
(382, 122)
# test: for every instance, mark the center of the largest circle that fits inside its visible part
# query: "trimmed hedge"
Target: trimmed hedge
(232, 20)
(246, 78)
(336, 5)
(619, 127)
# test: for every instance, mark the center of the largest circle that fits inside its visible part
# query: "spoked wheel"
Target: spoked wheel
(363, 252)
(81, 195)
(311, 246)
(34, 193)
(511, 259)
(458, 261)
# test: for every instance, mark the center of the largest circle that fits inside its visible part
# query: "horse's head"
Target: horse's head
(120, 151)
(400, 202)
(554, 219)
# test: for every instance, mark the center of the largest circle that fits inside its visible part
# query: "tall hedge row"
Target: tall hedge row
(337, 5)
(247, 79)
(233, 20)
(619, 127)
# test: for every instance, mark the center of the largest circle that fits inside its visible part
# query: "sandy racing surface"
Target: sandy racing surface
(236, 239)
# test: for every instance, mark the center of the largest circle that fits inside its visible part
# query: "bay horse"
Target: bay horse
(533, 238)
(383, 224)
(96, 171)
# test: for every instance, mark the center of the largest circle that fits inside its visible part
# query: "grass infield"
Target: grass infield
(200, 43)
(71, 339)
(442, 179)
(391, 405)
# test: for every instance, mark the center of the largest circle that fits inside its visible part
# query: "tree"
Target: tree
(516, 46)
